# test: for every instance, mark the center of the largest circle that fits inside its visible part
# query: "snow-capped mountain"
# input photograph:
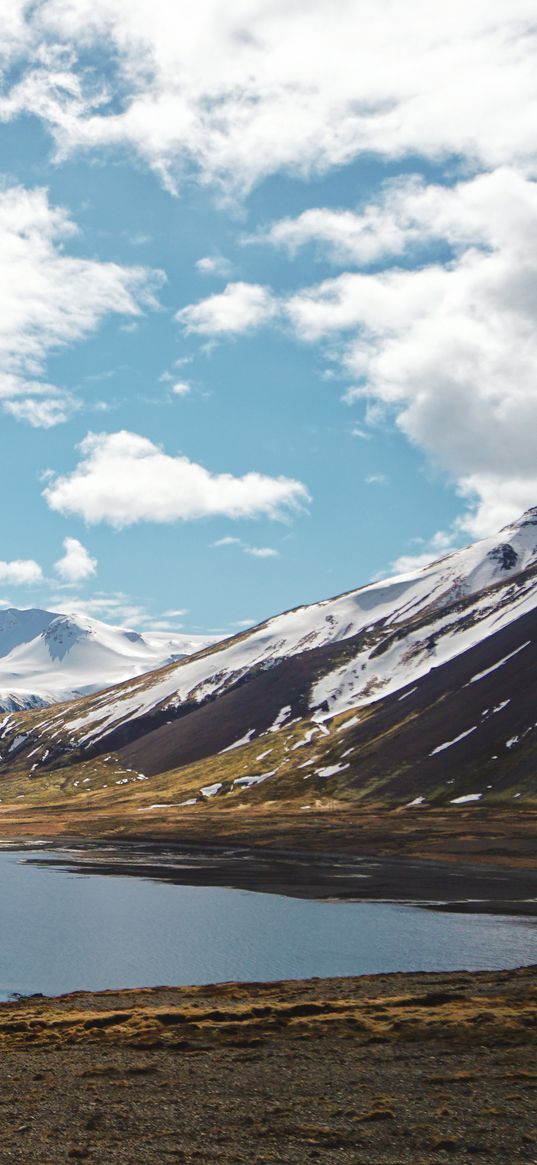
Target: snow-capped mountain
(406, 676)
(46, 657)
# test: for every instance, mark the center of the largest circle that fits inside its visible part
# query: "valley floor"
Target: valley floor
(382, 1070)
(476, 834)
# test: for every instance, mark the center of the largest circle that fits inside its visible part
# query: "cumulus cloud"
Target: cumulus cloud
(449, 348)
(240, 308)
(22, 571)
(49, 299)
(240, 92)
(77, 563)
(491, 210)
(124, 478)
(216, 265)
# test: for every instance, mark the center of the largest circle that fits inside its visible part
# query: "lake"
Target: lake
(61, 931)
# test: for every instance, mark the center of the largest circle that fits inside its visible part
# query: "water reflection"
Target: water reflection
(61, 932)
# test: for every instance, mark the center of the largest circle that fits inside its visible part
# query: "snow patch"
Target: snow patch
(466, 798)
(211, 790)
(348, 724)
(239, 743)
(449, 743)
(481, 675)
(247, 782)
(330, 770)
(404, 697)
(283, 715)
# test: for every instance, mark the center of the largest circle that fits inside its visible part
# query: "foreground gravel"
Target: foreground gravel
(380, 1070)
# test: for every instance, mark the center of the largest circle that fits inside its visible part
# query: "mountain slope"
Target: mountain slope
(417, 687)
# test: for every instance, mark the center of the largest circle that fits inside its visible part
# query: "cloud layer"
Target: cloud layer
(124, 478)
(431, 311)
(241, 91)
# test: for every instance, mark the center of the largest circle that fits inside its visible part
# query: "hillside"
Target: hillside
(415, 692)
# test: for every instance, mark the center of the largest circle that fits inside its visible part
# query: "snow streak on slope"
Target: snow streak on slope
(46, 657)
(390, 633)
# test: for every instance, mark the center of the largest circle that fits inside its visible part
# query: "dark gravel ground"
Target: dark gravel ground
(381, 1070)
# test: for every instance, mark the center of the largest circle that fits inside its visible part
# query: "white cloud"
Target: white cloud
(42, 414)
(450, 349)
(343, 234)
(181, 388)
(261, 551)
(21, 572)
(254, 551)
(255, 87)
(495, 500)
(377, 479)
(241, 307)
(77, 563)
(215, 265)
(491, 210)
(124, 478)
(49, 299)
(440, 544)
(116, 608)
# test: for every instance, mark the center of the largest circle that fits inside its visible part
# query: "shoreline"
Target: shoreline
(430, 884)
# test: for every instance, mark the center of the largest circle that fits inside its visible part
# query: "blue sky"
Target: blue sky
(291, 295)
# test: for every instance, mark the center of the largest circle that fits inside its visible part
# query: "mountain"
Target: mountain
(415, 690)
(46, 657)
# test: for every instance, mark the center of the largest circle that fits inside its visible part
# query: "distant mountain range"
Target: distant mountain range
(47, 657)
(416, 690)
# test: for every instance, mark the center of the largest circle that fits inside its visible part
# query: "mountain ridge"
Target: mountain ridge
(372, 696)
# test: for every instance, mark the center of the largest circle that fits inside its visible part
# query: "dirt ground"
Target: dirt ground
(380, 1070)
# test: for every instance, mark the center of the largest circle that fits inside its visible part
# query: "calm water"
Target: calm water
(60, 931)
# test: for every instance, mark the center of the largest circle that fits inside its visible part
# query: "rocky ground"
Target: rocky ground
(384, 1070)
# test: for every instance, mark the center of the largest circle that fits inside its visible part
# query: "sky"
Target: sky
(268, 298)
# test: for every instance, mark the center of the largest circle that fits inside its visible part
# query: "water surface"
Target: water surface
(60, 931)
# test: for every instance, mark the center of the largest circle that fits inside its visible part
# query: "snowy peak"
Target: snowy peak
(46, 657)
(17, 627)
(63, 633)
